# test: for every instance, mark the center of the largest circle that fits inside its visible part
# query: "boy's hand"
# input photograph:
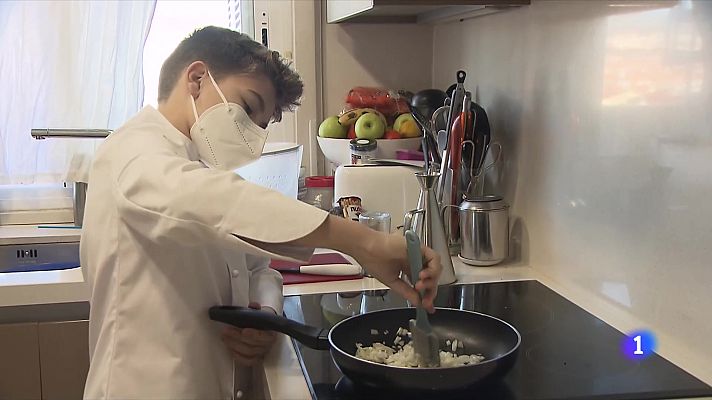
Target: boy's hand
(386, 256)
(248, 346)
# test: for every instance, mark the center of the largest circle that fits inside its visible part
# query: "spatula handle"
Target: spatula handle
(415, 258)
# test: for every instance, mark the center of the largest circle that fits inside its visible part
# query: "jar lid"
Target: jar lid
(363, 144)
(484, 203)
(320, 181)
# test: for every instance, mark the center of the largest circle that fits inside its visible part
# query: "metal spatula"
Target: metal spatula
(425, 341)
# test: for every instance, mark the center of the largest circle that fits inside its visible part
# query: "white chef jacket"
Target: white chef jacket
(164, 239)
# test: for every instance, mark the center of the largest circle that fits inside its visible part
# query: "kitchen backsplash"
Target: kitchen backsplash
(396, 56)
(603, 108)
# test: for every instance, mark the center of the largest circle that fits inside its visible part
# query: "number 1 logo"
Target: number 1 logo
(638, 350)
(639, 345)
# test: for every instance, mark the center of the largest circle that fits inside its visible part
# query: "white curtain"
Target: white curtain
(66, 64)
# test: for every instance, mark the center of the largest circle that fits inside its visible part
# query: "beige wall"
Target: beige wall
(396, 56)
(604, 116)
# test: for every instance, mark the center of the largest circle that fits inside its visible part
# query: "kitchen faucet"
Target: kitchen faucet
(80, 188)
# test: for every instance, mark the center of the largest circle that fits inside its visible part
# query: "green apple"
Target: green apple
(370, 126)
(331, 128)
(400, 120)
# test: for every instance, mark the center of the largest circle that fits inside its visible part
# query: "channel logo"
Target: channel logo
(639, 344)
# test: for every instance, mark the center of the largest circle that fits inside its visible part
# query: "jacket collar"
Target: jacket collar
(183, 145)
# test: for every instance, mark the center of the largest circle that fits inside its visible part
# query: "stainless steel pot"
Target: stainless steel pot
(484, 230)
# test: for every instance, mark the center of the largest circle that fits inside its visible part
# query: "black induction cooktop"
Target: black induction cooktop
(566, 352)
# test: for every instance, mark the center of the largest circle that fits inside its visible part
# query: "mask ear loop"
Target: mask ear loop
(195, 110)
(192, 100)
(217, 88)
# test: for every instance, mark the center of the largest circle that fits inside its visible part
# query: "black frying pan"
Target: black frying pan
(482, 334)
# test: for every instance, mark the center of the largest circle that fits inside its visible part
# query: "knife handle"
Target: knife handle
(331, 269)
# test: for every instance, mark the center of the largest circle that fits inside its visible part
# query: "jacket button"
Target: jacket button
(239, 394)
(235, 273)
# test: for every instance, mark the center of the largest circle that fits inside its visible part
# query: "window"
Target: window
(172, 22)
(66, 65)
(70, 80)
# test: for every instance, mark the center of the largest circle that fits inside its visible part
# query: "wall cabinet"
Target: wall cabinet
(412, 11)
(46, 360)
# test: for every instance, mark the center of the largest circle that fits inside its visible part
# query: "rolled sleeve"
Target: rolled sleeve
(265, 283)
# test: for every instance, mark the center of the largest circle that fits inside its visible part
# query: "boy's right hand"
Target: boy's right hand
(385, 256)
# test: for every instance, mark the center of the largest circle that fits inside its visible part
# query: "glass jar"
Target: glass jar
(320, 191)
(362, 150)
(302, 184)
(379, 221)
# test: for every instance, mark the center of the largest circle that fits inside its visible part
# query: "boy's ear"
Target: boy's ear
(196, 72)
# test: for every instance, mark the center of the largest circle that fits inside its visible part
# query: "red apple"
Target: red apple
(352, 132)
(391, 134)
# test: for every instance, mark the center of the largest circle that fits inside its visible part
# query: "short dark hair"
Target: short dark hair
(228, 52)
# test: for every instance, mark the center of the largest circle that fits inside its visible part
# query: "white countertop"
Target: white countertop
(30, 234)
(285, 380)
(41, 287)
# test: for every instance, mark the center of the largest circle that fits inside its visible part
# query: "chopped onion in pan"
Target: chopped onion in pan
(404, 355)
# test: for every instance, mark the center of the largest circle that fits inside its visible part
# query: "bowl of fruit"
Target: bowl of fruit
(336, 132)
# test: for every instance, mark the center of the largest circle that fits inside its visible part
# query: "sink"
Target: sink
(39, 257)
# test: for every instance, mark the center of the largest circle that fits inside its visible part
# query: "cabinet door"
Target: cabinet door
(64, 355)
(337, 10)
(19, 362)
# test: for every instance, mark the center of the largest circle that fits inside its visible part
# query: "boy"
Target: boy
(170, 230)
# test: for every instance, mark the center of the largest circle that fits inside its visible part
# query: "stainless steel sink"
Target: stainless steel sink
(39, 257)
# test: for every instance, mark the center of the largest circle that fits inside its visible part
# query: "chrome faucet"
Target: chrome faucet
(70, 133)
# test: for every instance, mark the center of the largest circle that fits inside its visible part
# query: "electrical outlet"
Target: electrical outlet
(262, 32)
(23, 253)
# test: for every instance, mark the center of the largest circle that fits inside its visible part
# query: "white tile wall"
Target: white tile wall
(605, 112)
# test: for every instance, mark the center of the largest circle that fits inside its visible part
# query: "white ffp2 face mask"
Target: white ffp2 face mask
(225, 136)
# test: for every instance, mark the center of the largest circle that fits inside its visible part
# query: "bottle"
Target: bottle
(362, 150)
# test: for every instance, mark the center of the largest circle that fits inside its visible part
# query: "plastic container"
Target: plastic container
(410, 155)
(362, 150)
(320, 191)
(277, 169)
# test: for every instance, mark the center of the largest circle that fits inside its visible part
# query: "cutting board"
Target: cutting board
(291, 277)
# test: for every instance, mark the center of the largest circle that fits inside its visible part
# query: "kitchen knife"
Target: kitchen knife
(324, 269)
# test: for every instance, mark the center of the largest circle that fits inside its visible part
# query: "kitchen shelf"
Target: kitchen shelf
(413, 11)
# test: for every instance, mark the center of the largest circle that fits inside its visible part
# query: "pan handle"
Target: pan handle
(243, 317)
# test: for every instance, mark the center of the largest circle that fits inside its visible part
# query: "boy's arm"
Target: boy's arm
(384, 256)
(170, 199)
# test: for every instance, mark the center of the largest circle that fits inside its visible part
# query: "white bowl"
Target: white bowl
(338, 152)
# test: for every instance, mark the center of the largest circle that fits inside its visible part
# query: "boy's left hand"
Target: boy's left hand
(248, 346)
